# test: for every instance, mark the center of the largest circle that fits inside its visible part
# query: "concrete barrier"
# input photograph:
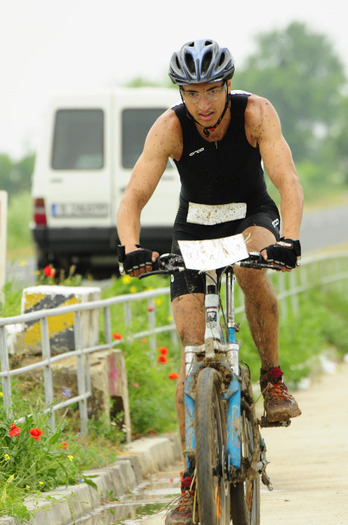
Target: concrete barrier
(61, 328)
(108, 382)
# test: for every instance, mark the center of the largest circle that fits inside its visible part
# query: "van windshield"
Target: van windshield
(78, 139)
(136, 123)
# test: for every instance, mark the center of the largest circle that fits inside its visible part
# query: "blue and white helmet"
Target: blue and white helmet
(201, 61)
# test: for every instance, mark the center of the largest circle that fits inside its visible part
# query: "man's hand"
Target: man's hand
(136, 262)
(285, 253)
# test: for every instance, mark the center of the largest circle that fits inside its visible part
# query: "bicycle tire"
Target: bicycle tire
(245, 496)
(213, 487)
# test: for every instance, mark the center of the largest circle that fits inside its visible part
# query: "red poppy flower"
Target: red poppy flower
(64, 445)
(161, 359)
(150, 308)
(47, 271)
(117, 336)
(35, 433)
(173, 376)
(163, 350)
(14, 430)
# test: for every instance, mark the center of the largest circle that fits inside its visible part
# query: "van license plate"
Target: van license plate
(81, 209)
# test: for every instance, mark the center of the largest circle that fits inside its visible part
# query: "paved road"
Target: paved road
(308, 461)
(324, 228)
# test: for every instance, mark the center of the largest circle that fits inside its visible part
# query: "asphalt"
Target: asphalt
(137, 461)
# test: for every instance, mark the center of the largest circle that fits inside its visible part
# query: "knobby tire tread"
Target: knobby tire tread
(210, 443)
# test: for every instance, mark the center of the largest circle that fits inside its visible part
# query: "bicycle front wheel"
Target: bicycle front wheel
(245, 496)
(213, 487)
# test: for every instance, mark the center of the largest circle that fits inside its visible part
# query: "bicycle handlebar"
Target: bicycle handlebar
(170, 263)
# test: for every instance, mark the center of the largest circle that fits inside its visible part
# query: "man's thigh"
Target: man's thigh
(257, 238)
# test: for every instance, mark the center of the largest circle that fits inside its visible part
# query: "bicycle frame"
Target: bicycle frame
(228, 349)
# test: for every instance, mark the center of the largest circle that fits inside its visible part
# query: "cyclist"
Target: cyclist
(218, 140)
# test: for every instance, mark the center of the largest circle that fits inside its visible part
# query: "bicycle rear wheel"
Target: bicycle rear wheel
(245, 496)
(213, 488)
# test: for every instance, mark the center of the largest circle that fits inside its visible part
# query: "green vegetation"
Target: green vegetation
(19, 242)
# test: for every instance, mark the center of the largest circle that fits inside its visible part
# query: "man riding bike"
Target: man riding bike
(218, 140)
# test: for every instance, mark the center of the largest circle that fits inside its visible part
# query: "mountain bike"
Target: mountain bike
(224, 449)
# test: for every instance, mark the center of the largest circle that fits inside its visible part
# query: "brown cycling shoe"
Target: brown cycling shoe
(182, 514)
(279, 405)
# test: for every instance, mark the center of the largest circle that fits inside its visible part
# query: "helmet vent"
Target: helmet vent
(222, 59)
(190, 63)
(206, 62)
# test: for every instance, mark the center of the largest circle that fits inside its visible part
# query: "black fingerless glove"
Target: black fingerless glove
(284, 252)
(134, 260)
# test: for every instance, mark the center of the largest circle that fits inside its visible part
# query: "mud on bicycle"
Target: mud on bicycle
(224, 449)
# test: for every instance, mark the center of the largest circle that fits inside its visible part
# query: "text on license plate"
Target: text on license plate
(83, 209)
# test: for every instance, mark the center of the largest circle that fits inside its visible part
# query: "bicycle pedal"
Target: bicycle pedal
(264, 423)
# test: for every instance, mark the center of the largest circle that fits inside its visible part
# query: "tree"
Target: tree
(341, 140)
(15, 176)
(299, 72)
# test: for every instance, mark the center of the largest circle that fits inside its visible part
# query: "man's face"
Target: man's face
(205, 102)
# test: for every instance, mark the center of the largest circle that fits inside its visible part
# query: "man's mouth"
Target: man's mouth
(206, 116)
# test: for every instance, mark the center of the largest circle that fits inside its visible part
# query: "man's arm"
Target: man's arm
(264, 129)
(163, 141)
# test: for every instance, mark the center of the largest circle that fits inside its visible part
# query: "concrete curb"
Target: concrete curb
(138, 460)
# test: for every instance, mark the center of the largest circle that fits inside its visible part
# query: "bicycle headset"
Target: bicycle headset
(201, 61)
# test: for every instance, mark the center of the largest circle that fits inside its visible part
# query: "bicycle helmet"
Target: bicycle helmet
(201, 61)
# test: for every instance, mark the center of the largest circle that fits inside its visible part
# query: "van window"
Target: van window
(78, 139)
(136, 123)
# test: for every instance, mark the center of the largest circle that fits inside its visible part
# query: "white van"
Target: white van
(90, 145)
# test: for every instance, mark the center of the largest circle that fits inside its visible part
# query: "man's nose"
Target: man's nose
(203, 102)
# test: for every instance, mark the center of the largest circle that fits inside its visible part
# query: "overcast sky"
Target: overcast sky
(50, 45)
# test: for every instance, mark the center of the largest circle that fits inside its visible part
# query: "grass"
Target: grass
(19, 242)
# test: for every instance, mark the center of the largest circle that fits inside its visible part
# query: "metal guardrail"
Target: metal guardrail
(320, 270)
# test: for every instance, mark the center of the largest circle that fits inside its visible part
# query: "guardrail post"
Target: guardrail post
(81, 379)
(47, 371)
(107, 325)
(5, 367)
(282, 290)
(294, 297)
(127, 313)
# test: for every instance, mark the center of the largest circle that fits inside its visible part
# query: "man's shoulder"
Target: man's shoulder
(167, 133)
(167, 121)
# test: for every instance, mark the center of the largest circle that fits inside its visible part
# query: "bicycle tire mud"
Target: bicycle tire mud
(245, 496)
(212, 485)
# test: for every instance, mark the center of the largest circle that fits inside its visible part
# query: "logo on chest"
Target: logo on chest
(197, 151)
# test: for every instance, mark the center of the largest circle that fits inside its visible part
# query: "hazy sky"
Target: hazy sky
(48, 46)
